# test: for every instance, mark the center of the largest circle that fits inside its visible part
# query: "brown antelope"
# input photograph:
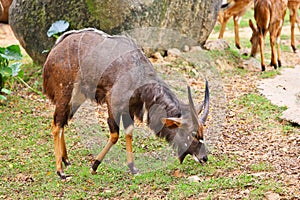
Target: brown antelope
(1, 9)
(269, 16)
(237, 9)
(5, 4)
(294, 6)
(90, 64)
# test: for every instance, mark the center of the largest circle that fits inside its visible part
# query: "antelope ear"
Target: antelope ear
(182, 157)
(252, 26)
(172, 122)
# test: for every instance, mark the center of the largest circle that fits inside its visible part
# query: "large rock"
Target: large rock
(155, 24)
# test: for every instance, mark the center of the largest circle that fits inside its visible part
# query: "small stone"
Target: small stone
(251, 64)
(244, 52)
(158, 57)
(196, 48)
(219, 44)
(174, 52)
(272, 196)
(194, 178)
(186, 48)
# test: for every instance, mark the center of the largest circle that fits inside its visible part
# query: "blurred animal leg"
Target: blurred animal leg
(236, 20)
(113, 123)
(129, 127)
(60, 119)
(261, 46)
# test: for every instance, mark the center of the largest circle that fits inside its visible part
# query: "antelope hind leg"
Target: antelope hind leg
(60, 150)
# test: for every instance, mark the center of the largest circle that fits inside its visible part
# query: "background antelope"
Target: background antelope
(90, 64)
(237, 9)
(294, 6)
(269, 16)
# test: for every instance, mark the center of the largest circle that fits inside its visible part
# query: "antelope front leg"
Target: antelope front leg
(278, 41)
(236, 20)
(114, 136)
(129, 127)
(261, 46)
(224, 21)
(293, 20)
(273, 51)
(129, 152)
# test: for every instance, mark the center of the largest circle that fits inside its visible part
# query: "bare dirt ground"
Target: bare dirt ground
(270, 145)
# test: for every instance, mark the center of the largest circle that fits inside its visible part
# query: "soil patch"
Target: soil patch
(284, 90)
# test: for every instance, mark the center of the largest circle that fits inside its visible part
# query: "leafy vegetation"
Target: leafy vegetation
(9, 71)
(57, 28)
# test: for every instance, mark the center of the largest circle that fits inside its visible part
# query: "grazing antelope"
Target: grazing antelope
(90, 64)
(237, 9)
(294, 6)
(269, 16)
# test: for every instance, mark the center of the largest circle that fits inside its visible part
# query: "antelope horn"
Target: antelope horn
(205, 104)
(199, 108)
(193, 109)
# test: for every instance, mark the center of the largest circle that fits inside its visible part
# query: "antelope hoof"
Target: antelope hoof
(94, 167)
(133, 169)
(93, 172)
(279, 63)
(238, 46)
(274, 65)
(61, 175)
(294, 49)
(263, 68)
(66, 162)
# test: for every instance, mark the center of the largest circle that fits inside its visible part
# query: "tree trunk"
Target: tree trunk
(155, 24)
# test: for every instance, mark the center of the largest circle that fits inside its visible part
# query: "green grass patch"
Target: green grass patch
(230, 55)
(266, 186)
(269, 74)
(255, 105)
(28, 163)
(261, 167)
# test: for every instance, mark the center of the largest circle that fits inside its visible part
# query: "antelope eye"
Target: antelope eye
(194, 133)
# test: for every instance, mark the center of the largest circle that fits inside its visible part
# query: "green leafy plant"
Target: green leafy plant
(8, 71)
(57, 28)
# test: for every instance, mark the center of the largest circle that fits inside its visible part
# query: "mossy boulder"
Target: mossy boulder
(155, 24)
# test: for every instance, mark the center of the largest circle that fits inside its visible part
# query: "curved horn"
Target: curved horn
(206, 104)
(193, 109)
(199, 108)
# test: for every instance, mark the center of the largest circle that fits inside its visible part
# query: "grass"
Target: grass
(259, 106)
(28, 163)
(269, 74)
(262, 166)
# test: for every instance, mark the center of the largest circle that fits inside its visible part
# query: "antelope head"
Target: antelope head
(254, 38)
(189, 129)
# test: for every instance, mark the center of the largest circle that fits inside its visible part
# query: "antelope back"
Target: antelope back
(238, 7)
(268, 13)
(92, 61)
